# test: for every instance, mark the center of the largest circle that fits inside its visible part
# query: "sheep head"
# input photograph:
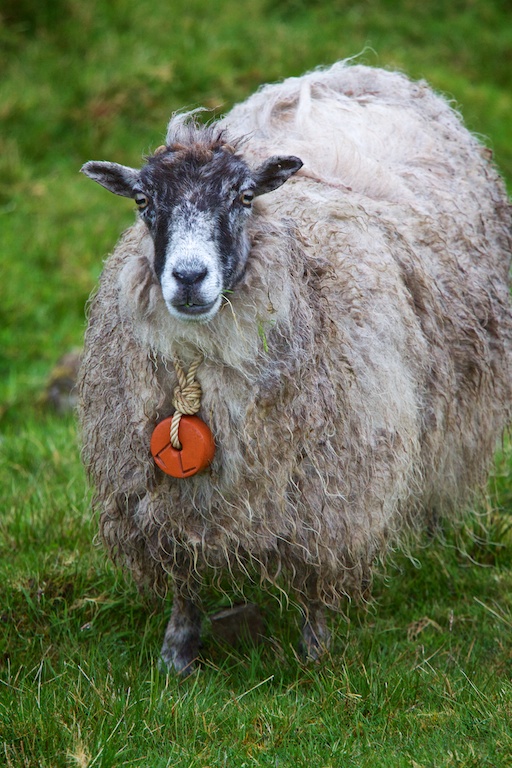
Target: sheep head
(196, 200)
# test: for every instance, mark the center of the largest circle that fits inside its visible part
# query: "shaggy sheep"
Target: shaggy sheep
(350, 329)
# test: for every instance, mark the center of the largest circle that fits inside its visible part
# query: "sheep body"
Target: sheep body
(358, 377)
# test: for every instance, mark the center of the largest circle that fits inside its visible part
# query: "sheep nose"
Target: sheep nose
(189, 277)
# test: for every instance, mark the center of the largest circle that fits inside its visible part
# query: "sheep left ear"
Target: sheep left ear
(274, 172)
(118, 179)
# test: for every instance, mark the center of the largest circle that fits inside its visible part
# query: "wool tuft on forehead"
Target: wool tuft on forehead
(184, 132)
(195, 152)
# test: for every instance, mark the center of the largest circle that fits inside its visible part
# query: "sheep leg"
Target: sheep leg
(182, 637)
(316, 637)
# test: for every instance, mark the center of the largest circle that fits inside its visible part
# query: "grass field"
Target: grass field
(422, 678)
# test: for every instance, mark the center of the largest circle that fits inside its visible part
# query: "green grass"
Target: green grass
(422, 677)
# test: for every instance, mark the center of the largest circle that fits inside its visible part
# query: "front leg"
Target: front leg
(182, 637)
(316, 637)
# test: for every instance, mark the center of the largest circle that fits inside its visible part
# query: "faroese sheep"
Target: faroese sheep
(350, 331)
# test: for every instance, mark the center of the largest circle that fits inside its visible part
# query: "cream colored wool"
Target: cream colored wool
(357, 379)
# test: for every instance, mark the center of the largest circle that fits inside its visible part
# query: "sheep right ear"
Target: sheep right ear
(118, 179)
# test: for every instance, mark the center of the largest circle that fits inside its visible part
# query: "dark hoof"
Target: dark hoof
(315, 641)
(177, 664)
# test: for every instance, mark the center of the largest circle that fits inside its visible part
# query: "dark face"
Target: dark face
(196, 202)
(197, 210)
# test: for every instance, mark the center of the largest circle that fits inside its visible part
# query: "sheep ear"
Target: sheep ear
(274, 172)
(118, 179)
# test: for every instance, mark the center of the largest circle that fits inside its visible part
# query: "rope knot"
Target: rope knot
(187, 396)
(187, 400)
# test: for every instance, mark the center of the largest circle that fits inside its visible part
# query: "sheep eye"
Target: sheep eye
(141, 201)
(247, 197)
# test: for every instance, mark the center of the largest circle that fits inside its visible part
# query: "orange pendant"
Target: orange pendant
(197, 450)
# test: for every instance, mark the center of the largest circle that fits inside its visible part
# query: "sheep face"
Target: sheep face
(196, 201)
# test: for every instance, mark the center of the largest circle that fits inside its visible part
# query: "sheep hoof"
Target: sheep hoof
(315, 639)
(180, 663)
(182, 638)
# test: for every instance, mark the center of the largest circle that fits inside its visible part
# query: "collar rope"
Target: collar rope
(187, 396)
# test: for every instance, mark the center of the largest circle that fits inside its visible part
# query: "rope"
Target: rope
(187, 396)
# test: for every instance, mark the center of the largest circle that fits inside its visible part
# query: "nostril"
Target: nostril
(189, 276)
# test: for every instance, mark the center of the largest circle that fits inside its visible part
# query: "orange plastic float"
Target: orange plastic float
(197, 451)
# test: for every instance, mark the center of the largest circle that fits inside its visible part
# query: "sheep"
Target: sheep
(331, 260)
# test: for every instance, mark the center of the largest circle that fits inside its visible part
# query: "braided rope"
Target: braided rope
(187, 396)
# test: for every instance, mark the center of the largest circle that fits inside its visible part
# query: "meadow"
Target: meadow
(421, 677)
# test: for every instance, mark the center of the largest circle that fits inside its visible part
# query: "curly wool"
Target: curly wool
(357, 379)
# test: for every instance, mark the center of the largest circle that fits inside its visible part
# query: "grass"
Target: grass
(422, 677)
